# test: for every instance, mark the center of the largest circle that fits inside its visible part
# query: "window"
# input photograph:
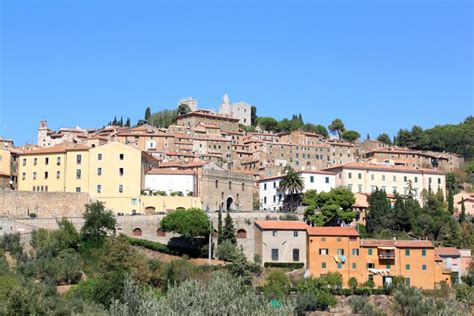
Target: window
(359, 188)
(323, 238)
(296, 255)
(230, 185)
(78, 189)
(34, 175)
(323, 265)
(264, 186)
(24, 161)
(372, 177)
(339, 265)
(217, 183)
(370, 265)
(46, 161)
(46, 174)
(323, 251)
(355, 252)
(35, 161)
(423, 267)
(274, 198)
(338, 239)
(423, 252)
(388, 266)
(78, 173)
(99, 171)
(340, 252)
(121, 171)
(407, 252)
(371, 277)
(274, 254)
(383, 177)
(394, 178)
(274, 184)
(407, 281)
(78, 159)
(350, 175)
(243, 186)
(58, 174)
(439, 180)
(359, 176)
(405, 179)
(311, 179)
(46, 188)
(23, 176)
(121, 156)
(354, 265)
(373, 188)
(120, 188)
(134, 201)
(274, 233)
(416, 179)
(264, 200)
(327, 179)
(369, 251)
(99, 188)
(58, 161)
(99, 156)
(295, 233)
(407, 267)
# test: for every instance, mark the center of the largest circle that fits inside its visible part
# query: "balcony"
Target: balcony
(387, 255)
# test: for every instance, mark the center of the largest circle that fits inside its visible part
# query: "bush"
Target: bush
(362, 291)
(285, 265)
(277, 285)
(319, 289)
(289, 217)
(152, 245)
(352, 283)
(11, 243)
(226, 250)
(361, 305)
(333, 279)
(465, 294)
(369, 283)
(176, 193)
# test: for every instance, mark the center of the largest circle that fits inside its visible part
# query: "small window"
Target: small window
(99, 171)
(121, 156)
(338, 239)
(46, 161)
(99, 188)
(339, 265)
(370, 265)
(388, 266)
(34, 175)
(58, 174)
(323, 251)
(121, 171)
(323, 238)
(407, 252)
(295, 233)
(359, 175)
(311, 179)
(296, 255)
(217, 183)
(78, 189)
(24, 161)
(99, 156)
(120, 188)
(423, 252)
(407, 281)
(243, 186)
(327, 179)
(354, 265)
(58, 161)
(423, 267)
(274, 254)
(46, 174)
(407, 267)
(323, 265)
(274, 233)
(340, 252)
(355, 252)
(35, 161)
(230, 185)
(78, 159)
(78, 173)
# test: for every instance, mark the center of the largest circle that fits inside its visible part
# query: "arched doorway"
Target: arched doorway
(241, 234)
(150, 210)
(137, 232)
(160, 233)
(229, 204)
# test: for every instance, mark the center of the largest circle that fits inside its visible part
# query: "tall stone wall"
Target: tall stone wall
(17, 204)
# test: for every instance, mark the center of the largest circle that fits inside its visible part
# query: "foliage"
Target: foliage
(319, 290)
(289, 217)
(226, 250)
(253, 116)
(329, 208)
(11, 243)
(292, 183)
(228, 232)
(316, 129)
(153, 245)
(183, 109)
(333, 279)
(384, 138)
(163, 118)
(277, 285)
(223, 295)
(284, 265)
(189, 223)
(410, 301)
(268, 124)
(241, 268)
(147, 116)
(219, 227)
(337, 127)
(361, 305)
(350, 136)
(465, 294)
(455, 138)
(98, 223)
(352, 283)
(378, 213)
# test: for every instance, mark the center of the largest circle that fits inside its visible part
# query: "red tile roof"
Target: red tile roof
(332, 231)
(396, 243)
(60, 148)
(384, 167)
(281, 225)
(447, 251)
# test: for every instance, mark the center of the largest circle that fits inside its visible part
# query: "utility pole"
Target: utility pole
(210, 239)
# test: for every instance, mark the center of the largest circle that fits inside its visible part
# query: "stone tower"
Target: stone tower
(43, 139)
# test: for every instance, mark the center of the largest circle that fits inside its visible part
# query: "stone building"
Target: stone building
(239, 110)
(194, 119)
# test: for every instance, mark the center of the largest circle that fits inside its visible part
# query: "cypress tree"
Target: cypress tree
(128, 122)
(121, 121)
(450, 201)
(148, 114)
(220, 237)
(229, 230)
(115, 121)
(462, 216)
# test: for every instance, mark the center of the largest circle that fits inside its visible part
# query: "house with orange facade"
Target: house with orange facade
(340, 249)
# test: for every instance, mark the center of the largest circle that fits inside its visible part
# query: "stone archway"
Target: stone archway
(137, 232)
(229, 203)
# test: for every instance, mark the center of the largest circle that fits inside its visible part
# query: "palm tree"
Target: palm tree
(292, 183)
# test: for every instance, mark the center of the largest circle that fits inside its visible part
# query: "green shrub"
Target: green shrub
(284, 265)
(319, 289)
(289, 217)
(176, 193)
(465, 294)
(362, 291)
(352, 283)
(277, 285)
(226, 250)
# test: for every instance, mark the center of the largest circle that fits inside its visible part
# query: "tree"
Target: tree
(190, 223)
(220, 237)
(228, 232)
(350, 136)
(127, 123)
(115, 122)
(337, 127)
(462, 215)
(253, 115)
(183, 109)
(147, 115)
(98, 222)
(352, 283)
(226, 251)
(329, 208)
(277, 285)
(378, 214)
(317, 129)
(384, 138)
(121, 121)
(268, 124)
(292, 184)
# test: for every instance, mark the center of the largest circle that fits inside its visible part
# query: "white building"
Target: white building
(271, 198)
(169, 180)
(364, 177)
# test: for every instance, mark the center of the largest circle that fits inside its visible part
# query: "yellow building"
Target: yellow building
(62, 168)
(117, 176)
(5, 169)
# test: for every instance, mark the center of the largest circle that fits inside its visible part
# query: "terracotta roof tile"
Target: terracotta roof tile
(447, 251)
(170, 171)
(384, 167)
(332, 231)
(414, 244)
(281, 225)
(61, 148)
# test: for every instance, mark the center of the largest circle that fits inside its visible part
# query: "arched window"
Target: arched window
(137, 232)
(242, 234)
(160, 233)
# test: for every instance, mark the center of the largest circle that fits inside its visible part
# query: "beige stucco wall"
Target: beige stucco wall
(285, 242)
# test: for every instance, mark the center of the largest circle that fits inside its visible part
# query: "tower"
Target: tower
(43, 139)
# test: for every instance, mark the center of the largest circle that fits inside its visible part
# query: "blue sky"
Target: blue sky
(377, 65)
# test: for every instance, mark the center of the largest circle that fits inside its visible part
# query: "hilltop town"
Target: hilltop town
(294, 197)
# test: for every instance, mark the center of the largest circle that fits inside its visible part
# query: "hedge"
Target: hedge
(152, 245)
(288, 265)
